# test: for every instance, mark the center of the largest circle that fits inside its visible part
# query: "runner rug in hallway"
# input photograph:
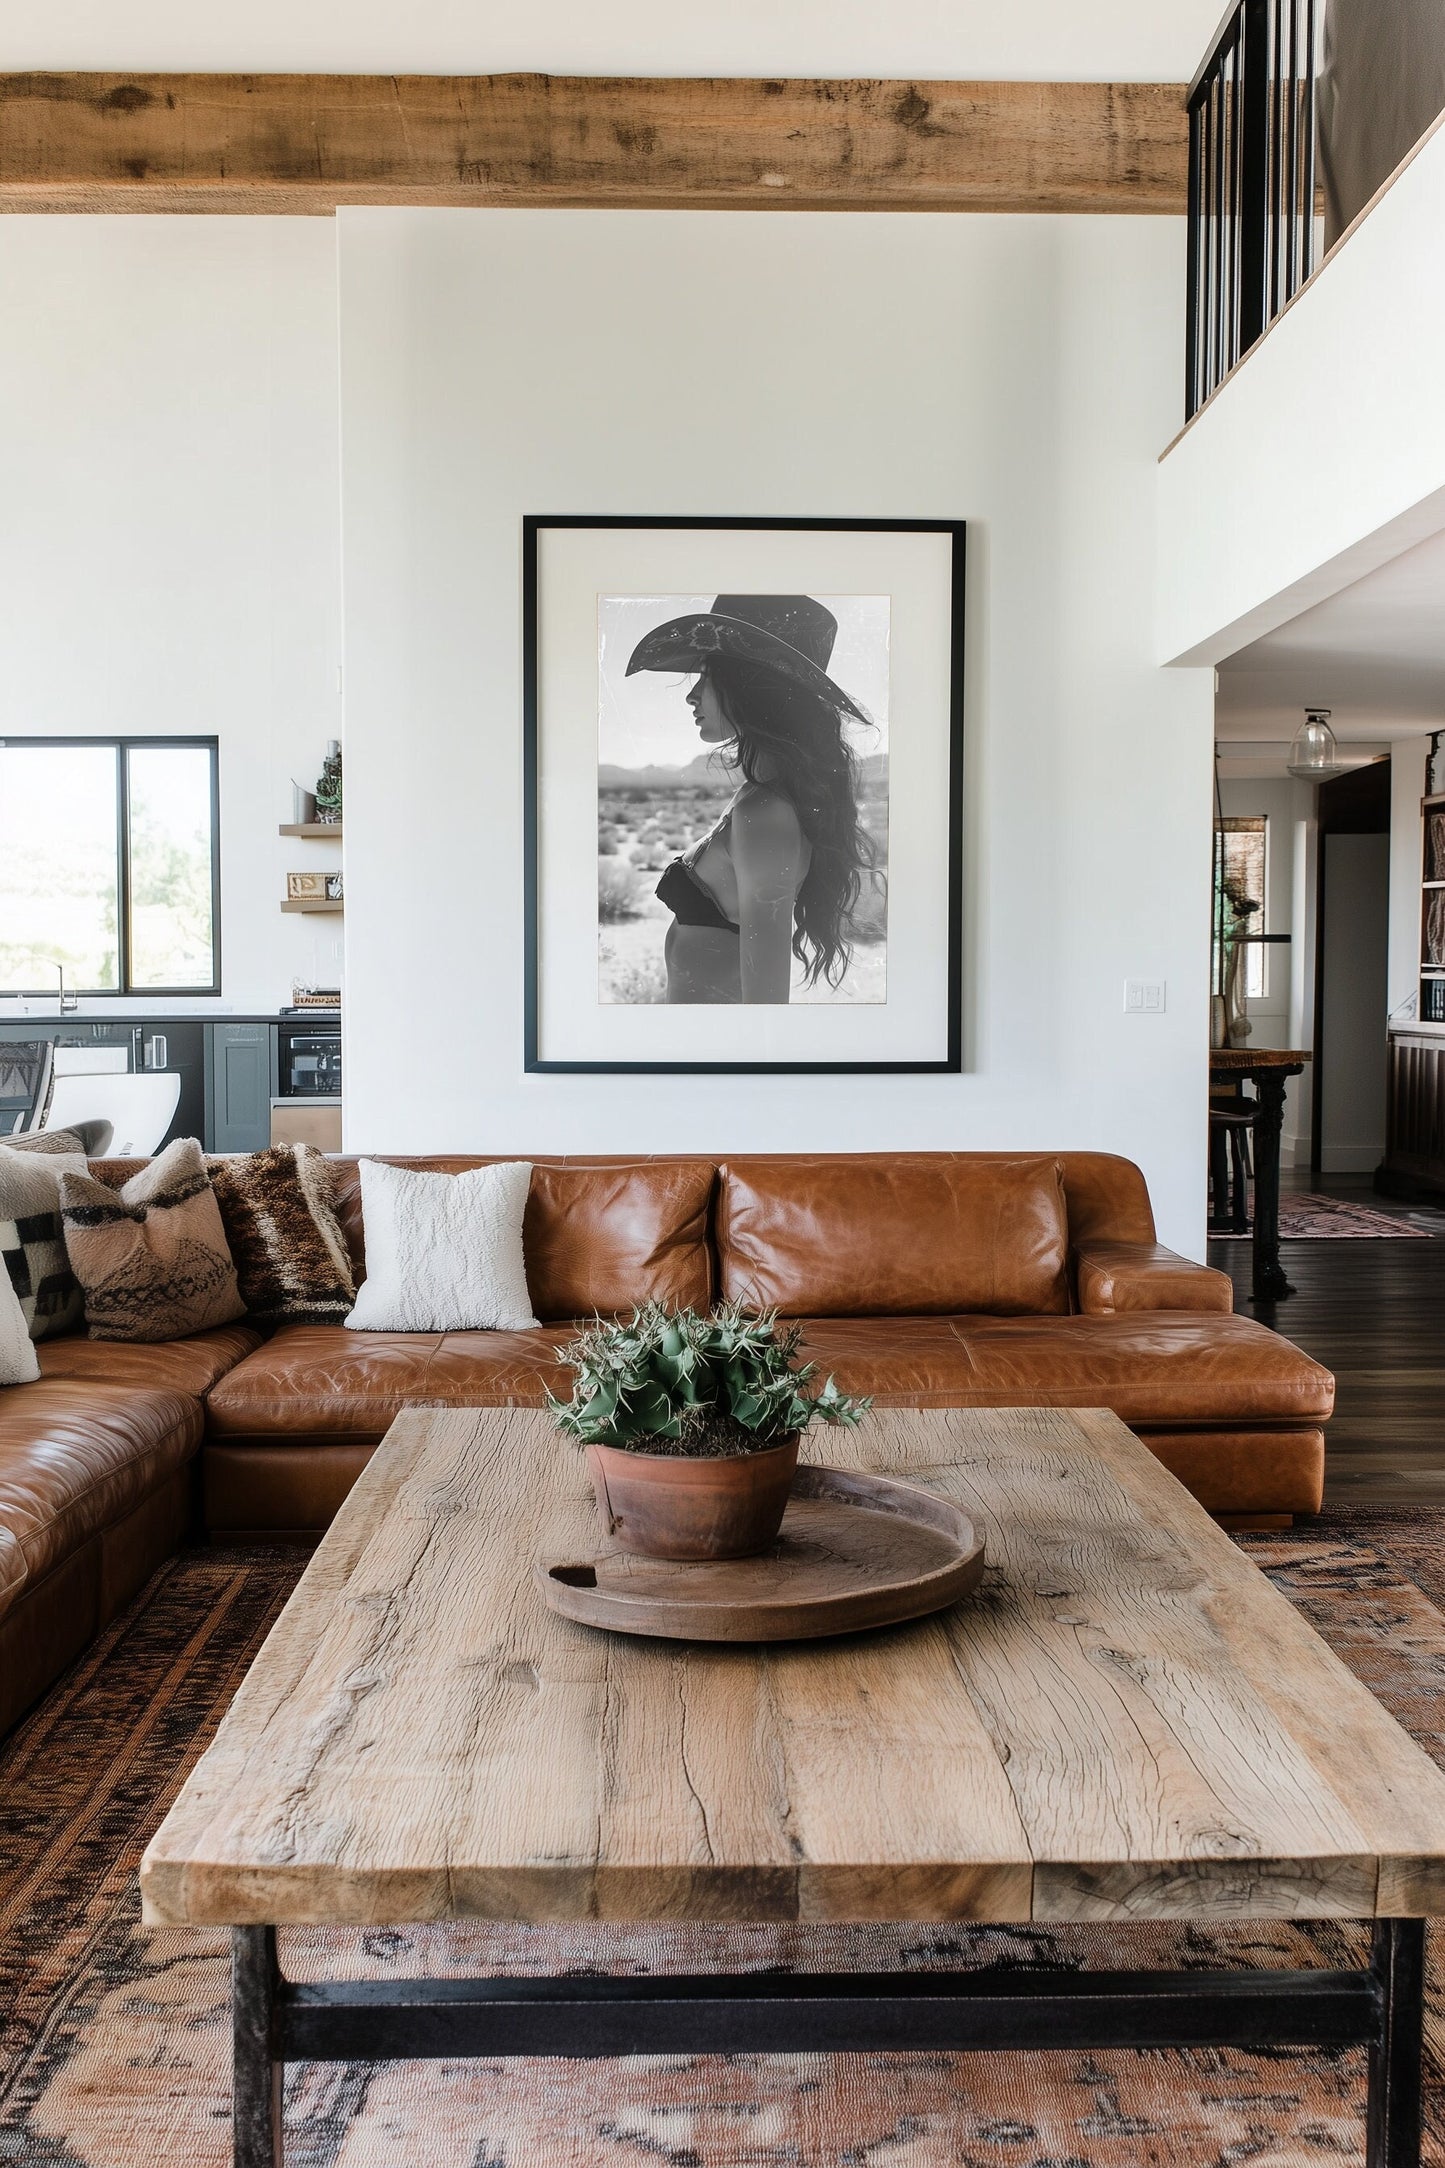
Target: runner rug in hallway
(1305, 1216)
(114, 2040)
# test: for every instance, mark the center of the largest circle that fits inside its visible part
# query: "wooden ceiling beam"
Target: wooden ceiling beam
(306, 143)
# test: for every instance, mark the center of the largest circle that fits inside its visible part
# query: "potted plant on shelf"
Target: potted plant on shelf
(691, 1425)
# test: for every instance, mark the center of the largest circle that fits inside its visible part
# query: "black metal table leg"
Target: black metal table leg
(257, 2068)
(1380, 2008)
(1270, 1283)
(1394, 2110)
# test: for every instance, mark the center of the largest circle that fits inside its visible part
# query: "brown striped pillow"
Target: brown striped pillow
(151, 1258)
(279, 1213)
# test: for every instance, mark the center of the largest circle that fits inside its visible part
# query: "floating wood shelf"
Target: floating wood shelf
(313, 903)
(321, 831)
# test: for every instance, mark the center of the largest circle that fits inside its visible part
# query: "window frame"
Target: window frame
(122, 747)
(1226, 824)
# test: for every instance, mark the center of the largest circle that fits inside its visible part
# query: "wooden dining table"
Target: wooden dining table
(1268, 1069)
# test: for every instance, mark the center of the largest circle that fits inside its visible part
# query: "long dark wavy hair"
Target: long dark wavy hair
(791, 740)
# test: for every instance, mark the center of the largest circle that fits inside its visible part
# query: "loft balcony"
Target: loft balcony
(1300, 115)
(1315, 451)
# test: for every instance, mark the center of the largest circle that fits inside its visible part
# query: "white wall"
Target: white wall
(1408, 757)
(1017, 372)
(1324, 456)
(1122, 40)
(169, 553)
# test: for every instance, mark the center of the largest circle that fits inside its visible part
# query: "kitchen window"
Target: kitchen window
(110, 865)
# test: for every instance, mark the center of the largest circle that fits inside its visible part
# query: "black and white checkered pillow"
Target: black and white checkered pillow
(33, 1250)
(32, 1241)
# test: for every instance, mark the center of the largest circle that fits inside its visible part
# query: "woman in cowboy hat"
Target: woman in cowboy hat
(778, 876)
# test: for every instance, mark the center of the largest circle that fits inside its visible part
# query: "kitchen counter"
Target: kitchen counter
(231, 1063)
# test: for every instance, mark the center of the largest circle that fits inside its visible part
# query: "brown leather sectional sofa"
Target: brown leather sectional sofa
(926, 1279)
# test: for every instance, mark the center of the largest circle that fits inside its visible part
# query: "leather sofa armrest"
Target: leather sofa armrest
(1114, 1276)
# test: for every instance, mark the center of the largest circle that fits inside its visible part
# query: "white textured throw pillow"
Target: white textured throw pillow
(443, 1251)
(19, 1364)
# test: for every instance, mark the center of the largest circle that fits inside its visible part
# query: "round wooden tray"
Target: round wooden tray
(855, 1551)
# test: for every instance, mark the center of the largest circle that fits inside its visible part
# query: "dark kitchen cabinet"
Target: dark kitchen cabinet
(1415, 1134)
(238, 1087)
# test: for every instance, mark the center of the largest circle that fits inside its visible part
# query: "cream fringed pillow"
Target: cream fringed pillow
(151, 1258)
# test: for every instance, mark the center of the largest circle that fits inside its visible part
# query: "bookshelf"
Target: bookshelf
(1432, 910)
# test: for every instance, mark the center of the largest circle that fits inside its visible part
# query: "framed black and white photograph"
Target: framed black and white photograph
(743, 750)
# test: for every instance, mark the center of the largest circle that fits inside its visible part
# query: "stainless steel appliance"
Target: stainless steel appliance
(308, 1061)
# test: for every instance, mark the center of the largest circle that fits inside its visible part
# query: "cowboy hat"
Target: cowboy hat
(792, 634)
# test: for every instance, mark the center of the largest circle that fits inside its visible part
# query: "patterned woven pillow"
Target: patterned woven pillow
(32, 1241)
(151, 1257)
(279, 1214)
(91, 1139)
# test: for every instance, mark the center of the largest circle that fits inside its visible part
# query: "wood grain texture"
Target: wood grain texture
(1240, 1060)
(1125, 1721)
(306, 143)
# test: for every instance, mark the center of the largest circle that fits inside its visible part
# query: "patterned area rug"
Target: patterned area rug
(113, 2040)
(1306, 1217)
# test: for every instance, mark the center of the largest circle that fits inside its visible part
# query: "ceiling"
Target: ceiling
(1374, 655)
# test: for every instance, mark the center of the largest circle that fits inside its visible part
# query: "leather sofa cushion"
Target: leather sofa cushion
(324, 1381)
(75, 1459)
(192, 1365)
(1173, 1369)
(597, 1237)
(1115, 1276)
(894, 1235)
(1106, 1196)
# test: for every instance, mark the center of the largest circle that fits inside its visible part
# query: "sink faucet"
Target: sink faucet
(69, 1003)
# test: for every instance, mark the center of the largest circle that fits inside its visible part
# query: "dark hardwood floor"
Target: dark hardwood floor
(1374, 1313)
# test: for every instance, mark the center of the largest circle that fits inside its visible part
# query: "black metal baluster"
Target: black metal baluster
(1277, 180)
(1221, 227)
(1254, 88)
(1307, 250)
(1251, 185)
(1292, 207)
(1193, 216)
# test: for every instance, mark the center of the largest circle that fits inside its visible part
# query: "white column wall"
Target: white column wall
(1018, 373)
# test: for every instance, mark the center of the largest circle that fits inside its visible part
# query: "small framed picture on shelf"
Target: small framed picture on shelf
(301, 887)
(333, 888)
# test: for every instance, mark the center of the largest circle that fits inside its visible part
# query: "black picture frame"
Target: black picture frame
(534, 525)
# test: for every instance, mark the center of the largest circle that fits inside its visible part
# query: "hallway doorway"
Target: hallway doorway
(1352, 913)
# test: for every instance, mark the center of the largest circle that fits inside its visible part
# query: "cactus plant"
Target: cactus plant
(677, 1382)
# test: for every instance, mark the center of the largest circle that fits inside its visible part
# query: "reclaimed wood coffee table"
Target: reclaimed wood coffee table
(1126, 1722)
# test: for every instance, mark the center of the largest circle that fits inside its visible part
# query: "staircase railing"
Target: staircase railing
(1251, 183)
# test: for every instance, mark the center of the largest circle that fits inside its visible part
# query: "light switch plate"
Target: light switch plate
(1144, 997)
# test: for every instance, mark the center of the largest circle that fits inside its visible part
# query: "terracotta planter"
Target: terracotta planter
(666, 1506)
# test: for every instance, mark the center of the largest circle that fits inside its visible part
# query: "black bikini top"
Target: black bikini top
(682, 890)
(689, 902)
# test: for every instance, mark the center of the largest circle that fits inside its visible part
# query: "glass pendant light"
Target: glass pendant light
(1314, 756)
